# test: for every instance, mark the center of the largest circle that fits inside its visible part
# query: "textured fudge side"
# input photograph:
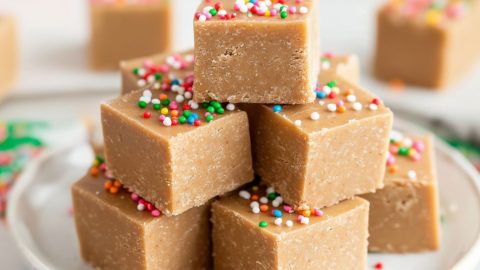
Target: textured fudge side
(154, 70)
(317, 156)
(8, 50)
(123, 31)
(346, 66)
(404, 214)
(179, 166)
(257, 59)
(113, 234)
(421, 52)
(246, 240)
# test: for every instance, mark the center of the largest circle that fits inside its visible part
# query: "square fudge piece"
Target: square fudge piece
(174, 152)
(326, 151)
(259, 52)
(254, 230)
(346, 66)
(118, 230)
(427, 43)
(404, 214)
(8, 49)
(155, 71)
(127, 29)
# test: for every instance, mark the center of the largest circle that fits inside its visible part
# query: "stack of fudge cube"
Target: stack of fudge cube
(249, 152)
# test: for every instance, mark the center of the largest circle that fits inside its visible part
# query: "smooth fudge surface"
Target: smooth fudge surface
(257, 59)
(330, 238)
(346, 66)
(173, 164)
(425, 44)
(404, 214)
(8, 51)
(120, 31)
(326, 151)
(114, 234)
(155, 71)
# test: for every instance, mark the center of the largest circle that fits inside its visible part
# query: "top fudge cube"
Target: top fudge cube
(347, 66)
(255, 53)
(324, 152)
(174, 152)
(427, 43)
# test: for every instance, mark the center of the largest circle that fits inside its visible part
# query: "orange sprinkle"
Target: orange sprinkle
(163, 96)
(393, 169)
(396, 85)
(113, 190)
(348, 92)
(117, 184)
(107, 184)
(254, 197)
(174, 113)
(94, 171)
(341, 109)
(306, 213)
(264, 208)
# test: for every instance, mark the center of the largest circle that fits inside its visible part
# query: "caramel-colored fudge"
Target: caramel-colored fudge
(175, 152)
(256, 53)
(404, 214)
(122, 30)
(346, 66)
(155, 71)
(427, 44)
(116, 231)
(8, 63)
(254, 230)
(326, 151)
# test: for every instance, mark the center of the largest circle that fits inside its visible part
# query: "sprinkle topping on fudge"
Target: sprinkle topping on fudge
(227, 10)
(402, 146)
(114, 186)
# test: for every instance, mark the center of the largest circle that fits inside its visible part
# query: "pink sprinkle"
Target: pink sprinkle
(164, 68)
(236, 7)
(419, 146)
(142, 201)
(273, 12)
(328, 55)
(173, 105)
(155, 213)
(165, 87)
(299, 218)
(292, 10)
(148, 63)
(454, 11)
(298, 1)
(393, 149)
(134, 196)
(287, 208)
(390, 160)
(103, 167)
(340, 103)
(317, 212)
(161, 117)
(415, 157)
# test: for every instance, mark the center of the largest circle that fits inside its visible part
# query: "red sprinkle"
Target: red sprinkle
(378, 265)
(147, 114)
(376, 101)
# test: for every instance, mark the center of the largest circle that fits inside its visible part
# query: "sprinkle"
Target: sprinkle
(373, 107)
(256, 210)
(303, 10)
(244, 194)
(357, 106)
(140, 207)
(254, 204)
(289, 223)
(332, 107)
(277, 213)
(167, 121)
(263, 200)
(305, 220)
(230, 106)
(278, 221)
(378, 266)
(263, 224)
(351, 98)
(315, 116)
(412, 175)
(277, 108)
(298, 123)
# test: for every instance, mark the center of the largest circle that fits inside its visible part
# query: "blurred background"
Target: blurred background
(55, 92)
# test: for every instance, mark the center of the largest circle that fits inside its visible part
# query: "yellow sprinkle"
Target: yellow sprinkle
(433, 17)
(267, 13)
(164, 111)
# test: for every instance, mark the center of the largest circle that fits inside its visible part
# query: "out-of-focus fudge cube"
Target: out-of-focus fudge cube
(326, 151)
(127, 29)
(346, 66)
(404, 214)
(255, 230)
(262, 52)
(155, 71)
(119, 230)
(427, 43)
(174, 152)
(8, 51)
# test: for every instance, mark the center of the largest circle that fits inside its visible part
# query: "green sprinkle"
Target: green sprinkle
(187, 113)
(156, 106)
(158, 77)
(209, 118)
(220, 110)
(283, 9)
(165, 102)
(142, 104)
(205, 105)
(182, 119)
(403, 151)
(135, 71)
(272, 196)
(210, 109)
(263, 224)
(215, 104)
(99, 159)
(213, 12)
(283, 14)
(332, 84)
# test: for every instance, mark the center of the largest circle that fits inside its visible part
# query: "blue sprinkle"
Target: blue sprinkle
(191, 119)
(321, 94)
(277, 213)
(175, 82)
(277, 108)
(195, 116)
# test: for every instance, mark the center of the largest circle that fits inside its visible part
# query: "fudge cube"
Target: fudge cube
(256, 53)
(404, 214)
(427, 44)
(127, 29)
(347, 66)
(155, 71)
(174, 152)
(254, 230)
(326, 151)
(115, 234)
(8, 51)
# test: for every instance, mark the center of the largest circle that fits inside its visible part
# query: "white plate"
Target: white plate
(44, 230)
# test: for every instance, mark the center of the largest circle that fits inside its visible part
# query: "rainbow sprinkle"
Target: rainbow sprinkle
(401, 146)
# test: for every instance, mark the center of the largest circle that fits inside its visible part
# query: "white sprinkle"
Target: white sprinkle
(373, 107)
(357, 106)
(145, 99)
(276, 203)
(412, 175)
(147, 93)
(189, 58)
(289, 223)
(325, 65)
(351, 98)
(244, 194)
(188, 95)
(151, 79)
(278, 221)
(298, 123)
(230, 106)
(332, 107)
(270, 190)
(179, 98)
(326, 89)
(407, 142)
(315, 116)
(167, 121)
(256, 210)
(336, 90)
(156, 86)
(155, 101)
(141, 72)
(305, 220)
(303, 10)
(222, 12)
(254, 204)
(263, 200)
(202, 18)
(396, 135)
(140, 207)
(243, 9)
(193, 104)
(141, 83)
